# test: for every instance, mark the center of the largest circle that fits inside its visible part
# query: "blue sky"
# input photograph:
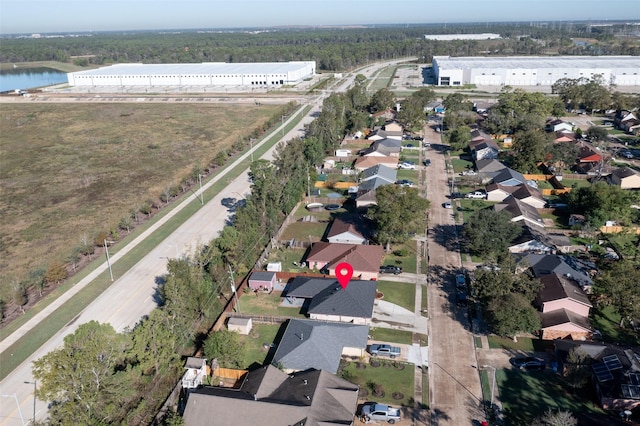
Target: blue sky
(40, 16)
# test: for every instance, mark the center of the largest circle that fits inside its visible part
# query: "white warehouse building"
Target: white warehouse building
(534, 70)
(205, 74)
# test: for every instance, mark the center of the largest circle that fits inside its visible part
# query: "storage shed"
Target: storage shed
(240, 325)
(263, 281)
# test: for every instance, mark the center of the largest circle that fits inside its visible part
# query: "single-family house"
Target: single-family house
(509, 177)
(564, 137)
(319, 345)
(489, 168)
(195, 374)
(435, 106)
(496, 192)
(326, 300)
(384, 147)
(365, 259)
(562, 324)
(391, 130)
(365, 199)
(557, 125)
(347, 230)
(262, 281)
(561, 292)
(625, 178)
(365, 162)
(622, 116)
(520, 211)
(270, 397)
(529, 195)
(545, 264)
(631, 126)
(379, 171)
(588, 154)
(615, 370)
(482, 107)
(532, 239)
(485, 149)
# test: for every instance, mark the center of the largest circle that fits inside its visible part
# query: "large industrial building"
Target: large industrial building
(449, 37)
(206, 74)
(534, 70)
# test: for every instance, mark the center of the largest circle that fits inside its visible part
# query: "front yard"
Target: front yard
(401, 294)
(393, 377)
(403, 255)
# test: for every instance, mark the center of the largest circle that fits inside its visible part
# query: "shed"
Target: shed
(264, 281)
(241, 325)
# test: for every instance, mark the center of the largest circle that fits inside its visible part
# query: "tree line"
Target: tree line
(332, 49)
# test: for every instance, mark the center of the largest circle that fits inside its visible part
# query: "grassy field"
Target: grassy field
(267, 305)
(256, 344)
(71, 171)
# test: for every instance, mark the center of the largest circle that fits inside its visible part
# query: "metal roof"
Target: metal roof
(211, 68)
(528, 62)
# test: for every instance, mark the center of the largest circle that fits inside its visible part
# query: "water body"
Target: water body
(30, 78)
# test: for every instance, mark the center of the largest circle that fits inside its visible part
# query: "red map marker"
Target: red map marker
(344, 271)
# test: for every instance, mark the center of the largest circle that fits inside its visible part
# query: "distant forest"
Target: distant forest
(334, 49)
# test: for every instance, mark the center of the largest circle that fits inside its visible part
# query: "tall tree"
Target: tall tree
(226, 347)
(382, 100)
(75, 376)
(556, 418)
(619, 287)
(488, 233)
(600, 202)
(399, 212)
(513, 314)
(529, 148)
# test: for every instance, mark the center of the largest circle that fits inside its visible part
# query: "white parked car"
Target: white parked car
(407, 166)
(477, 195)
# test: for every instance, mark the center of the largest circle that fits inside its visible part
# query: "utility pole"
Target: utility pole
(233, 289)
(201, 195)
(106, 249)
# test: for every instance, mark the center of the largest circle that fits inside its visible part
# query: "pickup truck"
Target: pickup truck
(373, 411)
(384, 350)
(477, 195)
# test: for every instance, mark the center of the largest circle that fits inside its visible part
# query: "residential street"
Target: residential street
(454, 383)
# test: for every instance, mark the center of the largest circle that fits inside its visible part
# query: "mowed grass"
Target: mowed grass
(391, 378)
(401, 294)
(256, 344)
(70, 171)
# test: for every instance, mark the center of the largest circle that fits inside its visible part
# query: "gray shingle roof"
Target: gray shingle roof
(542, 264)
(317, 344)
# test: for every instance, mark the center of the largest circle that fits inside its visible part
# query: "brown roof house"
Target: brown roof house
(347, 231)
(363, 163)
(320, 345)
(625, 178)
(564, 309)
(270, 397)
(365, 259)
(520, 211)
(326, 300)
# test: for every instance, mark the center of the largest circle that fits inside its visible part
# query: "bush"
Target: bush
(401, 252)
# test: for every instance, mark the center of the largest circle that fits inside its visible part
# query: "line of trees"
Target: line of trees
(332, 49)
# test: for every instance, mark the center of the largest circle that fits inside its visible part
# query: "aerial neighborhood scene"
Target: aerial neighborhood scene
(319, 213)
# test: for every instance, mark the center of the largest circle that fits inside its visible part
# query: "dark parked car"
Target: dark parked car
(456, 195)
(461, 281)
(427, 162)
(461, 298)
(390, 269)
(528, 363)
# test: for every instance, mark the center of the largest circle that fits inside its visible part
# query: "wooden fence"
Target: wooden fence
(619, 229)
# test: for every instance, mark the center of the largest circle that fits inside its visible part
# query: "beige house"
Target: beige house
(625, 178)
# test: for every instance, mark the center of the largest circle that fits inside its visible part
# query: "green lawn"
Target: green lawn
(460, 165)
(607, 322)
(626, 244)
(408, 261)
(411, 175)
(267, 305)
(569, 183)
(391, 335)
(523, 344)
(401, 294)
(470, 206)
(391, 378)
(525, 395)
(256, 344)
(303, 231)
(288, 257)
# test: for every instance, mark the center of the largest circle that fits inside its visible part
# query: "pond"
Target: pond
(30, 78)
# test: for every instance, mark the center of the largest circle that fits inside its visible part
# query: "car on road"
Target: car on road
(390, 269)
(447, 205)
(461, 281)
(407, 165)
(626, 154)
(461, 298)
(528, 363)
(372, 411)
(427, 162)
(426, 144)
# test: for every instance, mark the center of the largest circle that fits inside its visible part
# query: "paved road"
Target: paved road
(454, 383)
(132, 296)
